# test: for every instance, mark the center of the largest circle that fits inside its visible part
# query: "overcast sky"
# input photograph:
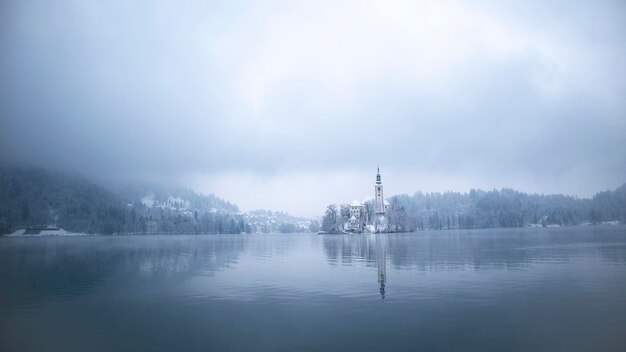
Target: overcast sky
(290, 105)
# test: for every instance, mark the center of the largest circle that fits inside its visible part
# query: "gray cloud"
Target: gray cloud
(444, 95)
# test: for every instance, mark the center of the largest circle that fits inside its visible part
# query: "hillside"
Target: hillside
(34, 197)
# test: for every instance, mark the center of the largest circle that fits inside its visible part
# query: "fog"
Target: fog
(291, 105)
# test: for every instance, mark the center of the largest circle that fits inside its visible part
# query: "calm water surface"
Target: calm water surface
(559, 289)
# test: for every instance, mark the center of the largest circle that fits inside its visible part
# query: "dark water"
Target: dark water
(560, 289)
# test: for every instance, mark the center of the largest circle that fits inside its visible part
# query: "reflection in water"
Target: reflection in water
(478, 250)
(368, 248)
(51, 268)
(381, 261)
(486, 290)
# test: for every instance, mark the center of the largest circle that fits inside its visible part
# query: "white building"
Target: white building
(379, 200)
(356, 209)
(356, 212)
(361, 219)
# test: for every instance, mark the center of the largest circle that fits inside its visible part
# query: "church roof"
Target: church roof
(356, 203)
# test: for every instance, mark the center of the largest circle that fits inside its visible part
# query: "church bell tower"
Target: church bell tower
(378, 194)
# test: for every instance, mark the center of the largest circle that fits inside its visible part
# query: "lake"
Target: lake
(541, 289)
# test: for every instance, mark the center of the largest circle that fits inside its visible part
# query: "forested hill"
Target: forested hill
(35, 198)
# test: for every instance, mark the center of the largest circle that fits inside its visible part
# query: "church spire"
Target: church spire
(378, 180)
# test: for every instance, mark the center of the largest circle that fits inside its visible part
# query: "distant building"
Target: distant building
(368, 216)
(378, 223)
(356, 209)
(356, 214)
(379, 205)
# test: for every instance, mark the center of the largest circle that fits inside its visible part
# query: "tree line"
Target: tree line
(487, 209)
(39, 198)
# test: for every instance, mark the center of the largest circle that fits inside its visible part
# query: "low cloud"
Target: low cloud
(290, 106)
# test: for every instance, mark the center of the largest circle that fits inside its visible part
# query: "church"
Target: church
(362, 219)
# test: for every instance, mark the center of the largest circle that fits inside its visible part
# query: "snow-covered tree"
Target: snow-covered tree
(330, 222)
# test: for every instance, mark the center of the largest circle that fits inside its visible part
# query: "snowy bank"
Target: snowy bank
(44, 232)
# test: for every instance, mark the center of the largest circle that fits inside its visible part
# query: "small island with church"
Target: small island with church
(358, 217)
(475, 209)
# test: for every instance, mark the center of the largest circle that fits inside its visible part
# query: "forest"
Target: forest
(487, 209)
(39, 198)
